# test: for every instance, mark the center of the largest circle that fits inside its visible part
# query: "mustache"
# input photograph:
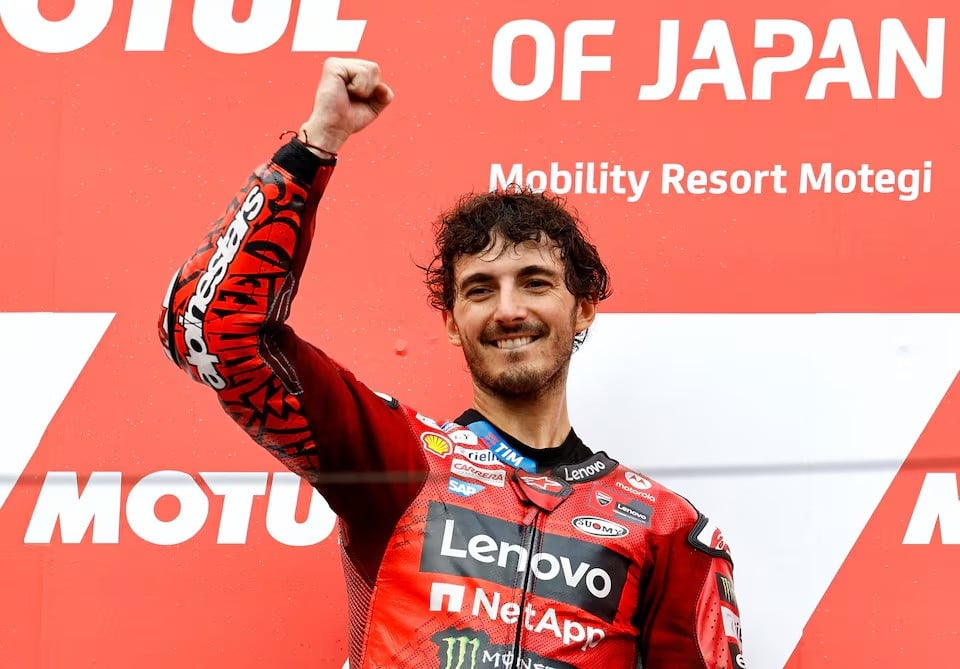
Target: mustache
(522, 330)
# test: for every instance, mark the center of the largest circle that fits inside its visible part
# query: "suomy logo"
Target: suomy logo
(465, 544)
(599, 527)
(317, 27)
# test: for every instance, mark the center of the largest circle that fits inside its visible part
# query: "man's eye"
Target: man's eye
(478, 291)
(538, 283)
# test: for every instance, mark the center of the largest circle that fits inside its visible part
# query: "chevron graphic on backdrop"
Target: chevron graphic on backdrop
(45, 354)
(787, 429)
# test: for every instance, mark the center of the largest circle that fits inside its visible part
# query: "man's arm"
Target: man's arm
(691, 619)
(223, 316)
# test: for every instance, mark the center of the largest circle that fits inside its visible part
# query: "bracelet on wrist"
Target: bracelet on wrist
(306, 142)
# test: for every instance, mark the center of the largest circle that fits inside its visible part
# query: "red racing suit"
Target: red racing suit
(459, 552)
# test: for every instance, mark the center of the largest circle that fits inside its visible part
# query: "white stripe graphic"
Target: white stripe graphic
(44, 354)
(785, 429)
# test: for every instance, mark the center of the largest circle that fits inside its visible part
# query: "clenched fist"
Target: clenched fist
(349, 97)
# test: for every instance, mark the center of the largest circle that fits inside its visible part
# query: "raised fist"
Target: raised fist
(349, 97)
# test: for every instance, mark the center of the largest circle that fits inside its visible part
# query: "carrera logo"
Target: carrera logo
(198, 355)
(317, 26)
(468, 545)
(494, 477)
(598, 527)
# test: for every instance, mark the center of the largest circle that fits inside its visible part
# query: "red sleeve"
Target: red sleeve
(691, 617)
(223, 323)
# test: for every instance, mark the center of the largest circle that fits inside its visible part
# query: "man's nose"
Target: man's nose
(510, 307)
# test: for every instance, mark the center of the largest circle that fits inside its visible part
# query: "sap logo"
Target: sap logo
(462, 488)
(317, 28)
(464, 469)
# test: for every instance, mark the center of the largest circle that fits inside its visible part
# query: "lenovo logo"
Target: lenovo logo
(462, 543)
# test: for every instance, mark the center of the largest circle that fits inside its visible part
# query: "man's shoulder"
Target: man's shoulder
(674, 514)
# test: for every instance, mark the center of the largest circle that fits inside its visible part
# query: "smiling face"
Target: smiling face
(515, 318)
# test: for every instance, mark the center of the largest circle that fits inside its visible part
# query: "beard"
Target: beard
(521, 379)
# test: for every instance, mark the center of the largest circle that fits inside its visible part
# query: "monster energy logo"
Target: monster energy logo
(459, 652)
(725, 588)
(472, 649)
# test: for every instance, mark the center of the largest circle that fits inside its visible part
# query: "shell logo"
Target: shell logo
(436, 444)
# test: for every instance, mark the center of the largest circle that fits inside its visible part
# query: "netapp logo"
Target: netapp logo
(465, 544)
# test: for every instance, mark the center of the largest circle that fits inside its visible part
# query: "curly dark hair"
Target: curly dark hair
(516, 214)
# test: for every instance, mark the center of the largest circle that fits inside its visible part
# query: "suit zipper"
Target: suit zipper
(530, 521)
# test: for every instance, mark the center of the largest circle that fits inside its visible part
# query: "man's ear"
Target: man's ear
(586, 313)
(453, 332)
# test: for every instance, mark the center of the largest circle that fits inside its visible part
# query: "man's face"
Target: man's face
(515, 318)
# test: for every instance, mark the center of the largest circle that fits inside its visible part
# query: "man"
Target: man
(499, 539)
